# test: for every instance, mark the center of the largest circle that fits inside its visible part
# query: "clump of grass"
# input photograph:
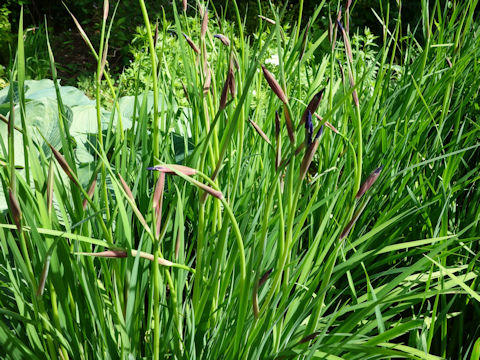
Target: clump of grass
(261, 240)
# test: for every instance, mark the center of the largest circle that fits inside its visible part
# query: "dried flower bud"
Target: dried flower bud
(203, 30)
(274, 85)
(308, 128)
(312, 105)
(158, 201)
(192, 44)
(231, 80)
(64, 165)
(116, 254)
(225, 40)
(126, 188)
(369, 182)
(267, 19)
(168, 169)
(260, 131)
(208, 81)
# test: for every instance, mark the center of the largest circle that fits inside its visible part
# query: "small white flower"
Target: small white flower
(272, 60)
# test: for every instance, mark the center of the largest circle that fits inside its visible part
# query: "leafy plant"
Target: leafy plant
(318, 207)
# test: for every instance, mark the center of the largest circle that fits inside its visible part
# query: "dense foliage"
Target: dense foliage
(302, 191)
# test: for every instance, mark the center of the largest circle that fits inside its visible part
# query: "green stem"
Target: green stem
(153, 59)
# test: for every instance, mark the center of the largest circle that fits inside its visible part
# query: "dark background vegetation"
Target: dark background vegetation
(73, 56)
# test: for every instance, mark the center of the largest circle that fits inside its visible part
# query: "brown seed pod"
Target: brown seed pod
(369, 182)
(63, 164)
(126, 188)
(225, 40)
(157, 202)
(270, 21)
(204, 27)
(169, 169)
(208, 81)
(192, 44)
(274, 85)
(224, 95)
(312, 105)
(231, 80)
(260, 131)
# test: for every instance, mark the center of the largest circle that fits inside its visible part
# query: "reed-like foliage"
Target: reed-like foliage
(255, 242)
